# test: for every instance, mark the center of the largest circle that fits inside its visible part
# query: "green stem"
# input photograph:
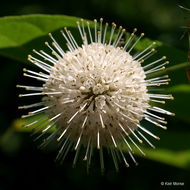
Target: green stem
(169, 69)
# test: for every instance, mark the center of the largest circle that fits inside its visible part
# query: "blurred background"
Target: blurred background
(23, 166)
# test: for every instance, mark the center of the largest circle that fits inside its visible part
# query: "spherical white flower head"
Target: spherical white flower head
(106, 87)
(97, 93)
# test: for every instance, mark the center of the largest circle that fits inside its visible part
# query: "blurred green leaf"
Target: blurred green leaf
(20, 124)
(173, 149)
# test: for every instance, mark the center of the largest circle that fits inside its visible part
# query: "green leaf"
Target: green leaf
(20, 34)
(173, 149)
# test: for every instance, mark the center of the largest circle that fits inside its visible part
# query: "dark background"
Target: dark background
(22, 165)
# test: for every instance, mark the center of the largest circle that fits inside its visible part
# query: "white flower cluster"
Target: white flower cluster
(97, 93)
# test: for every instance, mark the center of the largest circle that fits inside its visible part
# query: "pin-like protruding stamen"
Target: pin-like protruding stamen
(68, 101)
(56, 45)
(73, 116)
(158, 78)
(35, 73)
(42, 63)
(157, 67)
(123, 129)
(158, 101)
(72, 40)
(38, 64)
(32, 88)
(31, 94)
(53, 51)
(145, 139)
(129, 41)
(47, 140)
(113, 140)
(35, 77)
(161, 96)
(155, 119)
(146, 55)
(95, 30)
(31, 105)
(155, 70)
(138, 55)
(61, 52)
(155, 123)
(154, 62)
(49, 126)
(160, 110)
(98, 139)
(101, 21)
(148, 132)
(69, 47)
(117, 36)
(80, 31)
(61, 150)
(87, 149)
(153, 115)
(55, 117)
(36, 121)
(124, 159)
(78, 141)
(89, 31)
(83, 30)
(135, 135)
(45, 56)
(136, 145)
(114, 159)
(76, 156)
(48, 57)
(39, 110)
(63, 133)
(99, 37)
(142, 34)
(105, 31)
(85, 39)
(84, 122)
(101, 120)
(136, 163)
(128, 146)
(158, 84)
(112, 32)
(131, 119)
(159, 81)
(69, 43)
